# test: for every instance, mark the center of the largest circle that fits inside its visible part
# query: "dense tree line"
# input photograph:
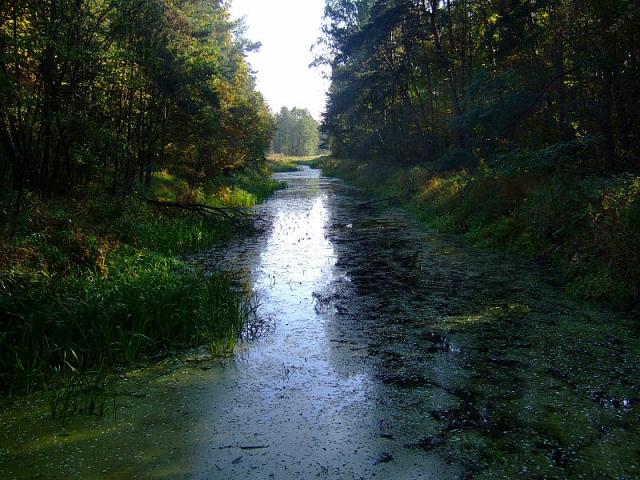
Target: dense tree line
(297, 133)
(435, 80)
(109, 91)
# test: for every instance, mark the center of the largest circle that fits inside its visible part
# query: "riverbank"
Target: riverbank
(586, 228)
(280, 163)
(95, 282)
(466, 362)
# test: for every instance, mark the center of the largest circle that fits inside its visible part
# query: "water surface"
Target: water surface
(396, 352)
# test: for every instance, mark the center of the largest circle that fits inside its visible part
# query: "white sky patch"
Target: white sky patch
(287, 29)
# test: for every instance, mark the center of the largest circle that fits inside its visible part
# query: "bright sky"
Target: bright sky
(286, 29)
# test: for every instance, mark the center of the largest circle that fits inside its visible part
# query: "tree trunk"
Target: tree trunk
(448, 64)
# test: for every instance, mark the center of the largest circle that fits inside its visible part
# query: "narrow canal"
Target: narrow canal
(392, 352)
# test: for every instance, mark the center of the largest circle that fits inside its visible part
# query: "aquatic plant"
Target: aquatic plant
(584, 226)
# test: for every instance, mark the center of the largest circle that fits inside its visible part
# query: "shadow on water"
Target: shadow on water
(397, 353)
(518, 380)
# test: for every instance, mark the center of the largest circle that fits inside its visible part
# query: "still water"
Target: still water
(392, 352)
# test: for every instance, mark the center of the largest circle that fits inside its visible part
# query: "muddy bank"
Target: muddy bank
(397, 352)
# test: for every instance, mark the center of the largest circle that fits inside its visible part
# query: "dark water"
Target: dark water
(397, 352)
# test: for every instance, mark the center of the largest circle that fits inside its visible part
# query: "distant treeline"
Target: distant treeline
(108, 91)
(457, 81)
(297, 133)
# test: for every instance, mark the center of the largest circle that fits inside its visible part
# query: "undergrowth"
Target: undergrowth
(94, 283)
(585, 226)
(242, 189)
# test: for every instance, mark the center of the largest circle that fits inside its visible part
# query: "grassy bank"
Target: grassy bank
(587, 227)
(285, 163)
(93, 282)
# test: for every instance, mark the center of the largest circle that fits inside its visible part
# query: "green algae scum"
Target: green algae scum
(395, 352)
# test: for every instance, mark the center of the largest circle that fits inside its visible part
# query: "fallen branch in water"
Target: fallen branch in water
(234, 215)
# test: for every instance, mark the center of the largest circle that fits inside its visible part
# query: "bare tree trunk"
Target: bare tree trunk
(448, 64)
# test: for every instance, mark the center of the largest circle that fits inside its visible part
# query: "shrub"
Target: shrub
(531, 202)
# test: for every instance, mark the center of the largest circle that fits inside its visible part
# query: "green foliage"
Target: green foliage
(518, 115)
(297, 133)
(109, 92)
(166, 232)
(76, 389)
(587, 228)
(167, 187)
(280, 167)
(141, 303)
(86, 285)
(105, 103)
(411, 81)
(244, 189)
(494, 105)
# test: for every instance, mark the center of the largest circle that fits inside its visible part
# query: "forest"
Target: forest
(436, 276)
(297, 133)
(108, 106)
(510, 121)
(109, 92)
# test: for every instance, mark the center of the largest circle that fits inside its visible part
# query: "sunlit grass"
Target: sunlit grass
(89, 285)
(285, 163)
(246, 188)
(70, 326)
(587, 228)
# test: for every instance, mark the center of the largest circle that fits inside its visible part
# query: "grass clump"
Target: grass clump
(244, 189)
(91, 284)
(133, 303)
(282, 167)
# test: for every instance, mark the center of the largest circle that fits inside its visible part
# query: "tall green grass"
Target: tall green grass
(143, 303)
(165, 231)
(281, 167)
(257, 182)
(244, 188)
(91, 284)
